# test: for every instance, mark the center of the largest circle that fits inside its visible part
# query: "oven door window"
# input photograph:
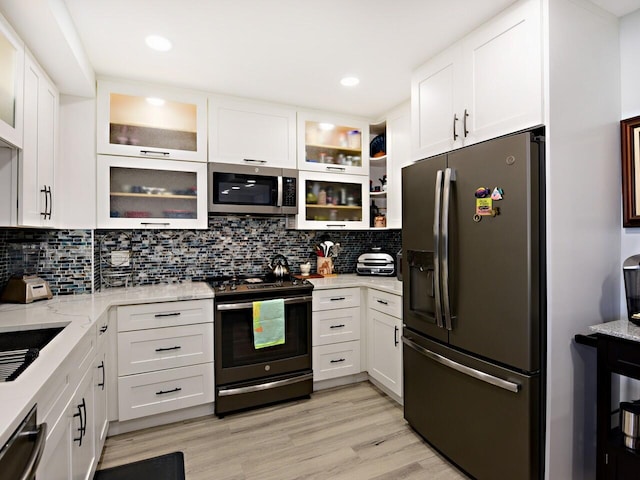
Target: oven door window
(237, 334)
(240, 189)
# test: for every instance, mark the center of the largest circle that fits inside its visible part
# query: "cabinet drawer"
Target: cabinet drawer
(332, 326)
(160, 348)
(157, 392)
(385, 302)
(166, 314)
(336, 360)
(336, 298)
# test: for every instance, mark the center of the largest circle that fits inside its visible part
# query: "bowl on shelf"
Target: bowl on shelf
(137, 214)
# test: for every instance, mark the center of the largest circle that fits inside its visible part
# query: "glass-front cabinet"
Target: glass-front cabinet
(147, 121)
(332, 201)
(11, 85)
(137, 193)
(332, 144)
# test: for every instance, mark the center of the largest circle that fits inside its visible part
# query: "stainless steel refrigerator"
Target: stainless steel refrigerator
(474, 305)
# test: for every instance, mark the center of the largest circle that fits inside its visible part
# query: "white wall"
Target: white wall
(630, 73)
(583, 220)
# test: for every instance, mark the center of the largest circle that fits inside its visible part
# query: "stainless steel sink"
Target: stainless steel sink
(18, 349)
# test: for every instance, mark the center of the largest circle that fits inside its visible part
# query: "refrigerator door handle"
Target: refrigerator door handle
(436, 248)
(449, 176)
(472, 372)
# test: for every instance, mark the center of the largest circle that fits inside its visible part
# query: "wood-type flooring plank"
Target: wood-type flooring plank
(352, 433)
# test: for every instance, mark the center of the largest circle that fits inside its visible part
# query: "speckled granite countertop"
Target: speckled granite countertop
(618, 328)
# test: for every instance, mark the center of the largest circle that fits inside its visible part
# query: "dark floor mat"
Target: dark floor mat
(164, 467)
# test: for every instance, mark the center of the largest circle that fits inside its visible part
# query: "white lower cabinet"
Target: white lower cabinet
(164, 391)
(384, 359)
(336, 360)
(336, 333)
(68, 407)
(165, 357)
(101, 367)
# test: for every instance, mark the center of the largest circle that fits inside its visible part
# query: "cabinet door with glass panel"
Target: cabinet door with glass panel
(11, 84)
(137, 193)
(333, 201)
(327, 143)
(147, 121)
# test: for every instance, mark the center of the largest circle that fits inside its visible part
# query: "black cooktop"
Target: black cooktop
(258, 284)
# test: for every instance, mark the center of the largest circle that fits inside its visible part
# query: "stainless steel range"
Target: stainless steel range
(246, 376)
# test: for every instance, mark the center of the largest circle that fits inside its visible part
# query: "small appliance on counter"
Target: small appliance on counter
(24, 286)
(376, 262)
(631, 274)
(630, 424)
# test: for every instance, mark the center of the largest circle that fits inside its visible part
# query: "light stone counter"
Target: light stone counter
(618, 328)
(78, 314)
(385, 284)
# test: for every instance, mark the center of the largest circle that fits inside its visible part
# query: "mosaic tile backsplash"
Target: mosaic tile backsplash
(232, 244)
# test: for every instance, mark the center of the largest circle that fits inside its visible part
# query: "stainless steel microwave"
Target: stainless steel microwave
(252, 189)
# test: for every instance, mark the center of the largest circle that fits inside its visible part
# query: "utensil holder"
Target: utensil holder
(325, 265)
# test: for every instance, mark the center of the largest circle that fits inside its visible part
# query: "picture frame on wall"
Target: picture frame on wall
(630, 139)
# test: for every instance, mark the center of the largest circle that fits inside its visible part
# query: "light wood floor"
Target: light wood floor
(352, 433)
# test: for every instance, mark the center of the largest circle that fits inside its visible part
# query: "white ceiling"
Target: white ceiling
(286, 51)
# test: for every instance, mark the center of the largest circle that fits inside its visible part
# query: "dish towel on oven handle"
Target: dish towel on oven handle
(268, 323)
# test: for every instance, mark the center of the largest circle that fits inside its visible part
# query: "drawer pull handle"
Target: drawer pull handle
(338, 361)
(252, 160)
(163, 392)
(101, 366)
(166, 349)
(337, 299)
(382, 302)
(104, 328)
(337, 326)
(174, 314)
(154, 152)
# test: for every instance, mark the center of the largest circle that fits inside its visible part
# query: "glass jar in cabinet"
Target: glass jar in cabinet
(147, 121)
(137, 193)
(332, 144)
(11, 82)
(332, 201)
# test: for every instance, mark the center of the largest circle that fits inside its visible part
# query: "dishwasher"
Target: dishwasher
(19, 457)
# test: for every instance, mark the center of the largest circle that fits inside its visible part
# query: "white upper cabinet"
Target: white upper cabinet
(398, 156)
(151, 193)
(486, 85)
(11, 83)
(333, 144)
(251, 133)
(143, 120)
(503, 71)
(37, 159)
(435, 103)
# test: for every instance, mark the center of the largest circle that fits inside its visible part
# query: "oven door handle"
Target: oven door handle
(226, 392)
(247, 305)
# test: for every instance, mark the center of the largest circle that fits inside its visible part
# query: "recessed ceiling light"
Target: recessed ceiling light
(350, 81)
(158, 43)
(156, 102)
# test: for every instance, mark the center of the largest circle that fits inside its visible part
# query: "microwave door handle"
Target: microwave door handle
(436, 247)
(279, 199)
(449, 177)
